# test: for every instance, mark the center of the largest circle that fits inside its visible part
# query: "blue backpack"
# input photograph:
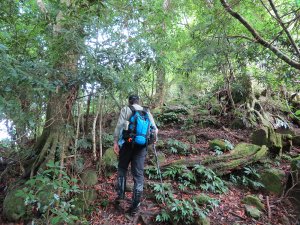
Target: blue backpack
(139, 127)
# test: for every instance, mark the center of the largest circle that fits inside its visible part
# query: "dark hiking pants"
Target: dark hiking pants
(135, 155)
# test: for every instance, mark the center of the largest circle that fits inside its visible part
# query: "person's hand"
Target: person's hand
(116, 148)
(156, 132)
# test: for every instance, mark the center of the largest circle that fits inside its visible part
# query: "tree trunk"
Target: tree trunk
(55, 134)
(160, 86)
(242, 155)
(55, 137)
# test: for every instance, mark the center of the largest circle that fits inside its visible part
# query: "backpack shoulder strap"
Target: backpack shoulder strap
(131, 108)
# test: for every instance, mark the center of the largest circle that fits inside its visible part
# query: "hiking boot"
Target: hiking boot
(135, 205)
(134, 209)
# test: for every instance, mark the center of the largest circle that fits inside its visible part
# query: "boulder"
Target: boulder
(260, 136)
(273, 179)
(110, 160)
(252, 211)
(89, 177)
(13, 206)
(202, 199)
(267, 136)
(217, 143)
(237, 123)
(254, 201)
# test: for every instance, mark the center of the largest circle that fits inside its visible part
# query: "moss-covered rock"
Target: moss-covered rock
(254, 201)
(260, 136)
(202, 199)
(272, 179)
(252, 211)
(218, 143)
(13, 207)
(237, 123)
(267, 136)
(110, 160)
(275, 142)
(89, 177)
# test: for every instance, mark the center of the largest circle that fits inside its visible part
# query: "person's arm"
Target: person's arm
(120, 124)
(153, 122)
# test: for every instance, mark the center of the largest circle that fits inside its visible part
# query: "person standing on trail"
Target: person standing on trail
(134, 131)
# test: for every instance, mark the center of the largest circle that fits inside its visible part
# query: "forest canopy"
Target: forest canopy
(67, 67)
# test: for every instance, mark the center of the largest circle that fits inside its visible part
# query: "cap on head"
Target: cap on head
(133, 99)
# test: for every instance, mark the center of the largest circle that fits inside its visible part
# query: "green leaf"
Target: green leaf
(55, 220)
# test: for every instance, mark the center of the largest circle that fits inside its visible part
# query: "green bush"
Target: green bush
(41, 192)
(177, 147)
(249, 178)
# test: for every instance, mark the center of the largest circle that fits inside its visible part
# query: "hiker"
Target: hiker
(131, 147)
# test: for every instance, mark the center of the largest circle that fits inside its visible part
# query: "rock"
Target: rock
(275, 142)
(267, 136)
(272, 179)
(254, 201)
(252, 211)
(89, 177)
(237, 123)
(13, 207)
(202, 199)
(192, 139)
(218, 143)
(260, 136)
(110, 160)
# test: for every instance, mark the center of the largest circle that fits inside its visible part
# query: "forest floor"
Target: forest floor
(230, 209)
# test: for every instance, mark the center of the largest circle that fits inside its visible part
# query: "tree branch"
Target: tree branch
(284, 27)
(260, 39)
(42, 6)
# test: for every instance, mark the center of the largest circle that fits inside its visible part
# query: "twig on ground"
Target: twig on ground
(237, 215)
(269, 208)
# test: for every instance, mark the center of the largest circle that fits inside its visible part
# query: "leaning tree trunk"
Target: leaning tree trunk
(242, 155)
